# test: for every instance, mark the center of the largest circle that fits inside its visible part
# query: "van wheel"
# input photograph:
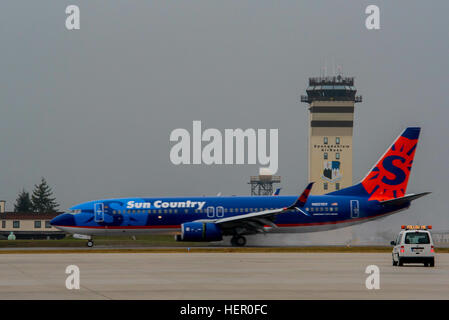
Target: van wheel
(432, 262)
(400, 262)
(90, 243)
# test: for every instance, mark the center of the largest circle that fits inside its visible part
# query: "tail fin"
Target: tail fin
(388, 179)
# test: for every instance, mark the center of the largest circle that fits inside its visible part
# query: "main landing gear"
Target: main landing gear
(238, 241)
(90, 243)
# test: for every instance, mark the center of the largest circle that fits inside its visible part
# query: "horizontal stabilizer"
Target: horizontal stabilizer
(405, 199)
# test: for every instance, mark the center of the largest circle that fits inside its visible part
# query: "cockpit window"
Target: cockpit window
(74, 211)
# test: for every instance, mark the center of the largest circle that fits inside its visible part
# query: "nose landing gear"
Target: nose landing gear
(238, 241)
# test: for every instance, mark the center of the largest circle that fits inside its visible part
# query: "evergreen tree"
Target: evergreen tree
(23, 202)
(42, 198)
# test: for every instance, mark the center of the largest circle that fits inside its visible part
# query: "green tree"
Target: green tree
(23, 202)
(42, 198)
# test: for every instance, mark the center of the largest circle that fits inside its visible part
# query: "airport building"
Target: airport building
(331, 103)
(29, 226)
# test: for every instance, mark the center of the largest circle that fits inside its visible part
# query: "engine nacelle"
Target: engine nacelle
(200, 231)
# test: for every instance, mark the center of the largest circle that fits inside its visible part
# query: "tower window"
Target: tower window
(325, 140)
(325, 186)
(337, 140)
(325, 156)
(337, 155)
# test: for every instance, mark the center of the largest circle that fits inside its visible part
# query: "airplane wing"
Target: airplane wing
(255, 222)
(404, 199)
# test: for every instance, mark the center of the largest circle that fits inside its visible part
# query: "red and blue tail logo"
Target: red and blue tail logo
(389, 177)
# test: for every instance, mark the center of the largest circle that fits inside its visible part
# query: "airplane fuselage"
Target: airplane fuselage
(161, 215)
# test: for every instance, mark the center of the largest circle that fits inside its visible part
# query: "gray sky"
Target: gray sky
(92, 110)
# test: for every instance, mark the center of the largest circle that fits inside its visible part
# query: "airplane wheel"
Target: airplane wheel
(90, 243)
(240, 241)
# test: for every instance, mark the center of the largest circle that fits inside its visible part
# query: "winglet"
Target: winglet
(276, 193)
(301, 201)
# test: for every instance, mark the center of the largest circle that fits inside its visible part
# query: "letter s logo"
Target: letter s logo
(388, 165)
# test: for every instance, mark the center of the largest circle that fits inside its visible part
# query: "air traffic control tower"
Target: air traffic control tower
(331, 104)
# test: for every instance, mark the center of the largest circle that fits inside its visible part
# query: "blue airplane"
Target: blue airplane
(380, 193)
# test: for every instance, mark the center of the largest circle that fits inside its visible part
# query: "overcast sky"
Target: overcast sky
(92, 110)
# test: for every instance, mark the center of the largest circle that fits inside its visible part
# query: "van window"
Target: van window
(417, 238)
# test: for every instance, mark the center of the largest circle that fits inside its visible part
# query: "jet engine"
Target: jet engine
(199, 231)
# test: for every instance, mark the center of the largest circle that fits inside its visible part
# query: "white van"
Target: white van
(414, 244)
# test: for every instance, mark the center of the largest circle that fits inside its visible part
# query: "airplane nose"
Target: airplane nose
(64, 219)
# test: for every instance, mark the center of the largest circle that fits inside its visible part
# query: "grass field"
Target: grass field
(144, 241)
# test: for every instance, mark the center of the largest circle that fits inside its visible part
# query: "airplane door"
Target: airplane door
(220, 212)
(210, 212)
(99, 212)
(355, 208)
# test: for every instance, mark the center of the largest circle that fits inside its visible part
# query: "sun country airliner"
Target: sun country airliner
(380, 193)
